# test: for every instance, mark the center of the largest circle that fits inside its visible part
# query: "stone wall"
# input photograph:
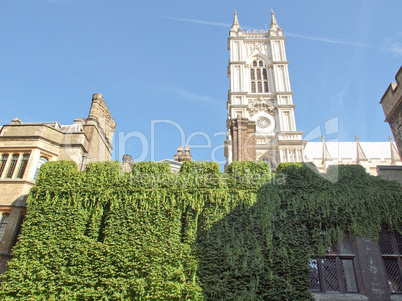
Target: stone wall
(392, 105)
(389, 172)
(84, 139)
(99, 129)
(395, 121)
(243, 136)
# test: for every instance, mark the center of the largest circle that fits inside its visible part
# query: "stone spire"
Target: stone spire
(180, 157)
(274, 25)
(273, 19)
(394, 152)
(235, 21)
(325, 153)
(187, 155)
(360, 153)
(179, 153)
(235, 25)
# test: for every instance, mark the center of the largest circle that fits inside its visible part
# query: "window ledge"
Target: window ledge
(340, 297)
(396, 297)
(18, 181)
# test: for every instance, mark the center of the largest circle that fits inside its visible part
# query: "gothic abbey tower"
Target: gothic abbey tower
(261, 122)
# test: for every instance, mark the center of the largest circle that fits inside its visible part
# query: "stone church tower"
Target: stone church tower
(261, 122)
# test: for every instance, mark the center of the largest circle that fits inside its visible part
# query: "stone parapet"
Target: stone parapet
(392, 105)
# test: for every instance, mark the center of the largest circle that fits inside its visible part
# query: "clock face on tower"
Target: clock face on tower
(263, 122)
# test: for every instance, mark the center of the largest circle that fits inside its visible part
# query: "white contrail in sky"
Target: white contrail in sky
(294, 35)
(57, 1)
(393, 45)
(199, 21)
(339, 42)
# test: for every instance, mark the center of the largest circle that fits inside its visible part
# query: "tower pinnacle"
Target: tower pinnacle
(274, 25)
(273, 19)
(235, 21)
(261, 123)
(235, 25)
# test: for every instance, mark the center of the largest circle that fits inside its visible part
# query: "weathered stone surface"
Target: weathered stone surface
(392, 105)
(90, 138)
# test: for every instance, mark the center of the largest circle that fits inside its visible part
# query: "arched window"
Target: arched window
(11, 168)
(265, 86)
(270, 162)
(3, 163)
(23, 166)
(42, 160)
(258, 77)
(259, 87)
(3, 224)
(253, 90)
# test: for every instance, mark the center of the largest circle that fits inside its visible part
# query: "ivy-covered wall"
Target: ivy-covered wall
(196, 235)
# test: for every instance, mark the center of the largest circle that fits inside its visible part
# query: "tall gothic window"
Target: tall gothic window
(269, 161)
(258, 77)
(11, 168)
(23, 166)
(42, 160)
(3, 224)
(390, 243)
(3, 163)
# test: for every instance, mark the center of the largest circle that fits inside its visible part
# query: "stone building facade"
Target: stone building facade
(261, 121)
(368, 154)
(261, 126)
(392, 105)
(24, 147)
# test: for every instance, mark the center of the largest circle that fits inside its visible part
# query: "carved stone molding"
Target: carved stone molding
(260, 104)
(251, 47)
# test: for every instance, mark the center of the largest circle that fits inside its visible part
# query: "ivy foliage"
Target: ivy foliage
(198, 234)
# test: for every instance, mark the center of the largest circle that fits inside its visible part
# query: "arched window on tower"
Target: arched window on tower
(258, 77)
(3, 224)
(42, 160)
(253, 90)
(3, 163)
(270, 162)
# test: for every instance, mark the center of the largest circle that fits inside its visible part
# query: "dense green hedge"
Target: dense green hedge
(195, 235)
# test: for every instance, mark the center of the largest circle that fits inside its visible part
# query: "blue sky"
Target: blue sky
(161, 66)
